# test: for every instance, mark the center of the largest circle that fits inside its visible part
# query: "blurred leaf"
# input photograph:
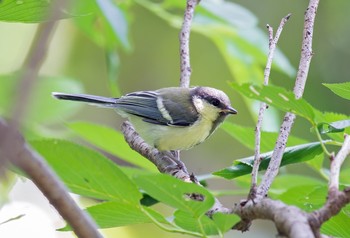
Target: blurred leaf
(334, 127)
(306, 197)
(344, 176)
(113, 64)
(202, 225)
(341, 89)
(43, 108)
(174, 192)
(291, 155)
(107, 24)
(329, 117)
(87, 172)
(111, 141)
(338, 226)
(284, 182)
(33, 11)
(246, 136)
(279, 98)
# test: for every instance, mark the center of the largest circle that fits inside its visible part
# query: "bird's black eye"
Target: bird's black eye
(215, 102)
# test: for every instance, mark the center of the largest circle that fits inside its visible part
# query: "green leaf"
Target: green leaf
(174, 192)
(291, 155)
(338, 226)
(279, 98)
(334, 127)
(202, 225)
(43, 108)
(284, 182)
(33, 11)
(106, 24)
(111, 141)
(225, 222)
(246, 136)
(87, 172)
(116, 20)
(341, 89)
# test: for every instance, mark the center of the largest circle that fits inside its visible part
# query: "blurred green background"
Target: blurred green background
(153, 62)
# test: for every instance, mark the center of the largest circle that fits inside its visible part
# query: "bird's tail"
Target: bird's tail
(97, 100)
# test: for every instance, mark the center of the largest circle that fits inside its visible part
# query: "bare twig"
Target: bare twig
(185, 67)
(263, 106)
(14, 148)
(336, 164)
(19, 153)
(304, 64)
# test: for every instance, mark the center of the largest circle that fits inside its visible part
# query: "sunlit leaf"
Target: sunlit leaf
(87, 172)
(295, 154)
(202, 225)
(33, 11)
(341, 89)
(174, 192)
(111, 141)
(279, 98)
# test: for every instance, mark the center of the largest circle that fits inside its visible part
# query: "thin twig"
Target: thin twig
(165, 161)
(263, 106)
(184, 37)
(336, 199)
(336, 163)
(304, 64)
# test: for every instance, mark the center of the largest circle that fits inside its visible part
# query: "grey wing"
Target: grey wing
(142, 104)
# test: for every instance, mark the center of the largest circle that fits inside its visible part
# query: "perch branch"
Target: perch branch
(304, 64)
(263, 106)
(16, 151)
(167, 162)
(184, 37)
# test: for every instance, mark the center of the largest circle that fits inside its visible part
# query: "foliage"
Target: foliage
(120, 189)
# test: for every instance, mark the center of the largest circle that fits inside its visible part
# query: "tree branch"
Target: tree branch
(263, 106)
(304, 64)
(184, 37)
(18, 152)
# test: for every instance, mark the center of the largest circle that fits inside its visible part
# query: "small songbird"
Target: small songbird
(169, 118)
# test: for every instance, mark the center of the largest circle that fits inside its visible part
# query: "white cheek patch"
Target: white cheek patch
(163, 110)
(205, 109)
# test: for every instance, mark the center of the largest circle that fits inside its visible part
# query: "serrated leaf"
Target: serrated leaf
(246, 136)
(341, 89)
(202, 225)
(279, 98)
(291, 155)
(111, 141)
(334, 127)
(87, 172)
(174, 192)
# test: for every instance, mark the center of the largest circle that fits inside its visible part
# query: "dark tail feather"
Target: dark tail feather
(102, 101)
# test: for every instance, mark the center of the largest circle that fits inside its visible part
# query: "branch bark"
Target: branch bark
(304, 64)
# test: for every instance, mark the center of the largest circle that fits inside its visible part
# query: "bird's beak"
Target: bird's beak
(230, 110)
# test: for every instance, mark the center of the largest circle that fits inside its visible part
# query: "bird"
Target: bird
(168, 119)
